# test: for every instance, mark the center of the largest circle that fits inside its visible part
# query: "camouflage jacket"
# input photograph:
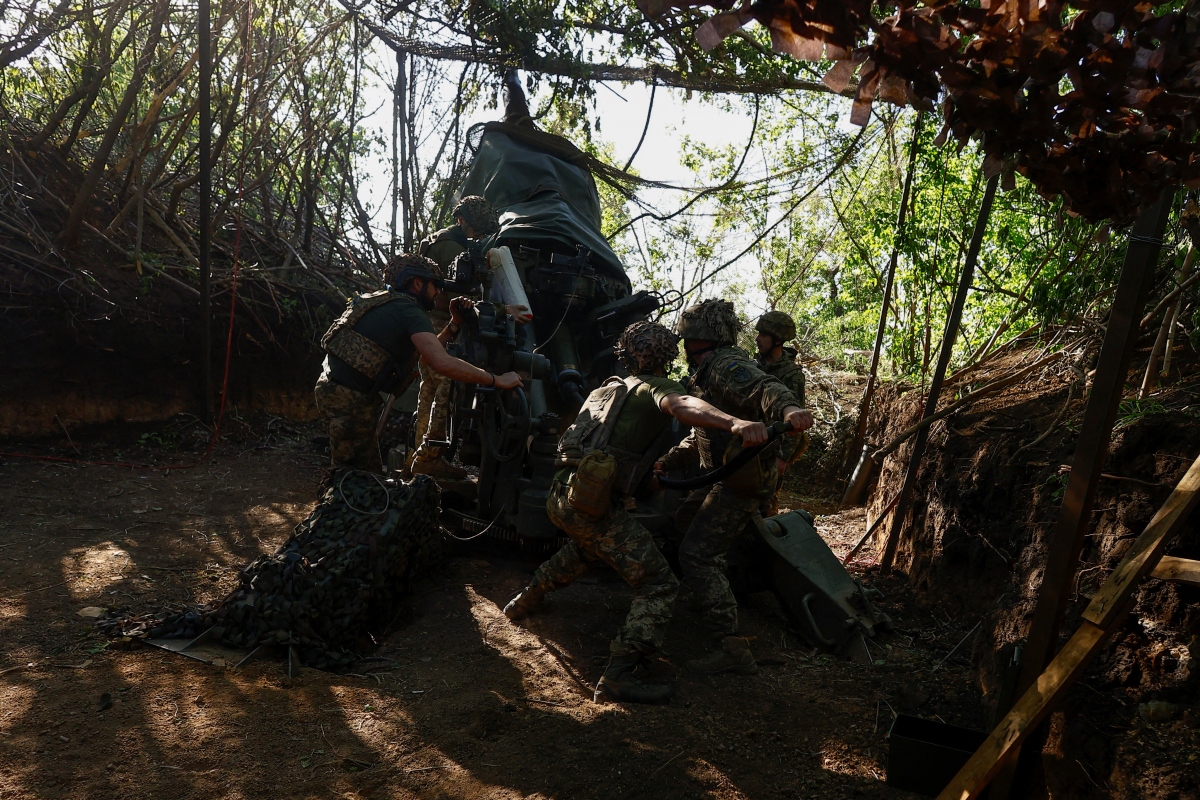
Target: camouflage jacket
(791, 375)
(730, 380)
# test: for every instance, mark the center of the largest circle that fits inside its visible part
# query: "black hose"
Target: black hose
(731, 466)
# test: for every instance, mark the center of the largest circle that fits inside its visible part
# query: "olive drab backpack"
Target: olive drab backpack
(359, 352)
(585, 446)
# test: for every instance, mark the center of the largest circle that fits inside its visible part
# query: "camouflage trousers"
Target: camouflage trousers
(432, 407)
(351, 417)
(713, 518)
(620, 541)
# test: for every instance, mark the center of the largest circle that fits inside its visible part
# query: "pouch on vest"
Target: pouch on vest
(589, 491)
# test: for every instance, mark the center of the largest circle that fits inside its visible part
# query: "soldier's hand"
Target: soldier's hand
(458, 306)
(752, 433)
(657, 470)
(509, 380)
(520, 313)
(801, 419)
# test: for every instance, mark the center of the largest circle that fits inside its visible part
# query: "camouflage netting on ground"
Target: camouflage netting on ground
(343, 569)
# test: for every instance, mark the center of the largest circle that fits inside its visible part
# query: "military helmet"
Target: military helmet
(777, 324)
(713, 320)
(646, 346)
(406, 266)
(479, 214)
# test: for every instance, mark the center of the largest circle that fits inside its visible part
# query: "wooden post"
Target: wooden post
(1102, 616)
(949, 337)
(1062, 559)
(901, 216)
(205, 202)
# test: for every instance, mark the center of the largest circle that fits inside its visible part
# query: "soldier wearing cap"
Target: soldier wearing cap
(374, 346)
(624, 426)
(775, 329)
(474, 220)
(712, 518)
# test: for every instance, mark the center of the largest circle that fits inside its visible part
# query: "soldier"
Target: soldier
(714, 517)
(373, 347)
(775, 329)
(474, 219)
(605, 455)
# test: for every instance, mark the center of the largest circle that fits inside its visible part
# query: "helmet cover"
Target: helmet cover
(479, 214)
(406, 266)
(777, 324)
(712, 320)
(646, 347)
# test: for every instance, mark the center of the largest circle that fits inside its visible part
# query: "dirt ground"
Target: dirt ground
(458, 703)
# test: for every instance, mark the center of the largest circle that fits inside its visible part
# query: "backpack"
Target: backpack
(585, 446)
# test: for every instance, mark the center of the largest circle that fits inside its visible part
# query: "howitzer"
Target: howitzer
(552, 253)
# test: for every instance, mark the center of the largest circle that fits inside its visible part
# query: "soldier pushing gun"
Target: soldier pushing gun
(474, 220)
(713, 517)
(605, 459)
(374, 346)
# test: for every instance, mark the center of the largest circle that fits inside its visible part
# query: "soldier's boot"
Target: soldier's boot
(732, 656)
(619, 683)
(527, 602)
(438, 467)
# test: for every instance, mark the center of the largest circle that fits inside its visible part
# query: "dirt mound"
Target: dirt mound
(986, 500)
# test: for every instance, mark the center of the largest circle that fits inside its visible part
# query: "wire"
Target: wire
(386, 494)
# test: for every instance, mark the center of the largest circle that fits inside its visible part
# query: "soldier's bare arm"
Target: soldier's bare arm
(697, 413)
(434, 354)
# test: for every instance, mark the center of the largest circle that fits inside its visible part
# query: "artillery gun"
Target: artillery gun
(551, 256)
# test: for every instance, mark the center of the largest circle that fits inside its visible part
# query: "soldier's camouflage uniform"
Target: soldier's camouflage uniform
(351, 417)
(791, 375)
(713, 518)
(615, 537)
(621, 542)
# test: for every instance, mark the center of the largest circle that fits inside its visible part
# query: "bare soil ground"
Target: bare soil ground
(461, 703)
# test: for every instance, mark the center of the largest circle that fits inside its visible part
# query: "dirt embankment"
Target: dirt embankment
(986, 503)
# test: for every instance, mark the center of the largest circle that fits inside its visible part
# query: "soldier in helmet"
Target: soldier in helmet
(713, 518)
(474, 219)
(775, 329)
(605, 459)
(373, 347)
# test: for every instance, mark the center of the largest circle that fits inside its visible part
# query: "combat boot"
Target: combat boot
(732, 656)
(619, 684)
(527, 602)
(438, 468)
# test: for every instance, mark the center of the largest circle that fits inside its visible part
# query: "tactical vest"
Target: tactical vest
(593, 427)
(362, 354)
(454, 233)
(789, 373)
(717, 446)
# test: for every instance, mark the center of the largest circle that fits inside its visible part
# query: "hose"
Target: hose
(731, 466)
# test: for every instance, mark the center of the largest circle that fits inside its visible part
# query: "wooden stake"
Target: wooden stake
(1066, 543)
(1101, 618)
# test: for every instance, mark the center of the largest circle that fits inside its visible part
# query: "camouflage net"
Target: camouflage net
(341, 570)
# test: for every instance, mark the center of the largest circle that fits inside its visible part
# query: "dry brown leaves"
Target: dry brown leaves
(1093, 100)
